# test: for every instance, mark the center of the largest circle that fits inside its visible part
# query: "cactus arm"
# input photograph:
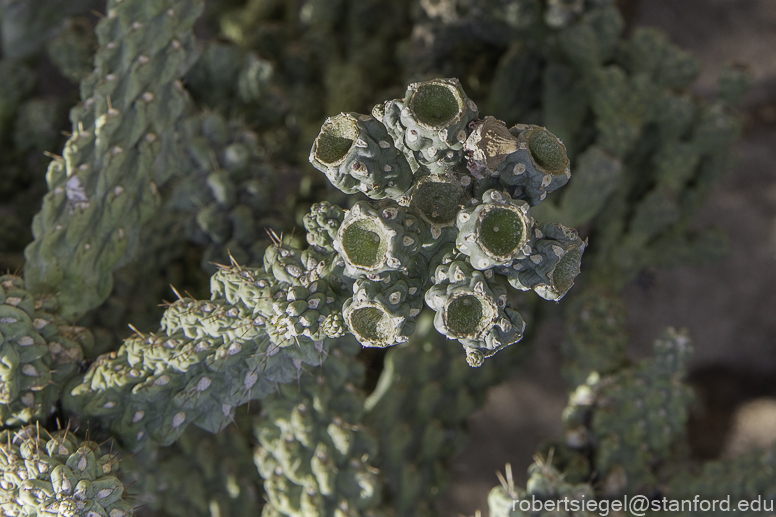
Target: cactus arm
(103, 188)
(58, 474)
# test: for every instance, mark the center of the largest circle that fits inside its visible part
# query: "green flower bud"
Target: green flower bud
(533, 163)
(334, 325)
(373, 239)
(553, 263)
(382, 313)
(430, 123)
(472, 309)
(357, 154)
(494, 232)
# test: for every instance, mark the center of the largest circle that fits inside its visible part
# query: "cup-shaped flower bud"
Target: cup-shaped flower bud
(473, 309)
(322, 224)
(495, 232)
(357, 155)
(553, 265)
(382, 313)
(373, 239)
(438, 198)
(431, 122)
(537, 166)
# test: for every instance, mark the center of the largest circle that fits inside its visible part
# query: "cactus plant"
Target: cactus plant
(180, 154)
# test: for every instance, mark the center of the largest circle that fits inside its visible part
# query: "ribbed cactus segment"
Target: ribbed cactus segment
(313, 453)
(208, 357)
(430, 123)
(104, 187)
(357, 155)
(202, 474)
(299, 299)
(546, 485)
(419, 408)
(223, 191)
(58, 474)
(530, 160)
(553, 262)
(595, 335)
(646, 405)
(377, 238)
(39, 353)
(472, 308)
(322, 224)
(382, 312)
(750, 477)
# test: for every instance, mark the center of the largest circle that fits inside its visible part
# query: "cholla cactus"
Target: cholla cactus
(40, 351)
(457, 212)
(465, 211)
(545, 487)
(646, 405)
(57, 474)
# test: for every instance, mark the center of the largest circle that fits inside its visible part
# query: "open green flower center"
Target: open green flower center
(502, 231)
(464, 315)
(435, 105)
(372, 324)
(336, 139)
(362, 243)
(439, 202)
(547, 150)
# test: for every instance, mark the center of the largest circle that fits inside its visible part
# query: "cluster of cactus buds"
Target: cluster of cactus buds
(451, 210)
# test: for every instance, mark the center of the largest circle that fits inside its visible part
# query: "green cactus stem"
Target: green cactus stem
(40, 353)
(104, 187)
(210, 356)
(58, 474)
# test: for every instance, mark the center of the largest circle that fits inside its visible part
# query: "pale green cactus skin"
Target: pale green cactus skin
(472, 308)
(646, 404)
(58, 474)
(546, 484)
(104, 185)
(208, 357)
(356, 153)
(313, 453)
(40, 351)
(200, 475)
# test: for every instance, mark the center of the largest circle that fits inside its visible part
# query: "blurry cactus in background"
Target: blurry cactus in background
(321, 357)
